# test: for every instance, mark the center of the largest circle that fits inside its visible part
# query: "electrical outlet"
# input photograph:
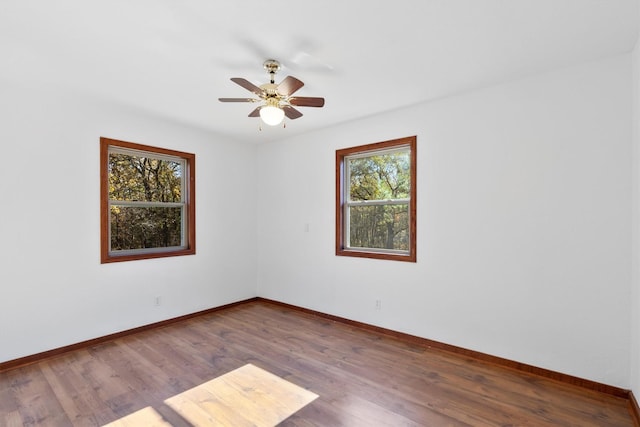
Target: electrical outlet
(157, 301)
(378, 304)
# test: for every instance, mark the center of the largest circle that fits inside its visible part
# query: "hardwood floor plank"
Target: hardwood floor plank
(13, 419)
(34, 404)
(66, 394)
(362, 378)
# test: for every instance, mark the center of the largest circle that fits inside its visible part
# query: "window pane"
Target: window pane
(381, 177)
(379, 227)
(145, 227)
(138, 178)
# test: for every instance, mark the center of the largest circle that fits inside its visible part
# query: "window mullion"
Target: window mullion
(378, 202)
(143, 204)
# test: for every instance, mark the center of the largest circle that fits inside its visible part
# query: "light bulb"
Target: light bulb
(271, 115)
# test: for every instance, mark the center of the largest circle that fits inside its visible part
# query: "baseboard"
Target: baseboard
(546, 373)
(634, 409)
(35, 358)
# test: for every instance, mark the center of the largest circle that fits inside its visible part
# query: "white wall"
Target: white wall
(54, 291)
(635, 286)
(524, 223)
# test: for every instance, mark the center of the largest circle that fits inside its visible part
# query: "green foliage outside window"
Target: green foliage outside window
(138, 185)
(378, 178)
(381, 177)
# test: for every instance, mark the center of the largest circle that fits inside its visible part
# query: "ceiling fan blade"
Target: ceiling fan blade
(237, 100)
(291, 112)
(289, 85)
(307, 101)
(247, 85)
(256, 112)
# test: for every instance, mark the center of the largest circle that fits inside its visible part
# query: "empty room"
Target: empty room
(409, 213)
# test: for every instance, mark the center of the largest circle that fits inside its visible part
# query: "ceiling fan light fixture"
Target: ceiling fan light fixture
(271, 115)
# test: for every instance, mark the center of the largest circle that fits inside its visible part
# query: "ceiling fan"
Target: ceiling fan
(277, 98)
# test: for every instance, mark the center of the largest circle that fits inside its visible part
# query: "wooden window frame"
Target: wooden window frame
(190, 202)
(341, 250)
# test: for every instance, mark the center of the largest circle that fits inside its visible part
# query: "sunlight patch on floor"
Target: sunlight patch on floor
(247, 396)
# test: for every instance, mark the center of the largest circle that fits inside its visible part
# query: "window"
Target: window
(147, 202)
(376, 200)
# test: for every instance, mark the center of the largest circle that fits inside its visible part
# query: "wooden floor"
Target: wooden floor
(361, 378)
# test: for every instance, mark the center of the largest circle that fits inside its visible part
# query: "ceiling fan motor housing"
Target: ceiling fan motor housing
(270, 90)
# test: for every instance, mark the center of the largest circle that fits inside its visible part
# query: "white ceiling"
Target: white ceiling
(174, 58)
